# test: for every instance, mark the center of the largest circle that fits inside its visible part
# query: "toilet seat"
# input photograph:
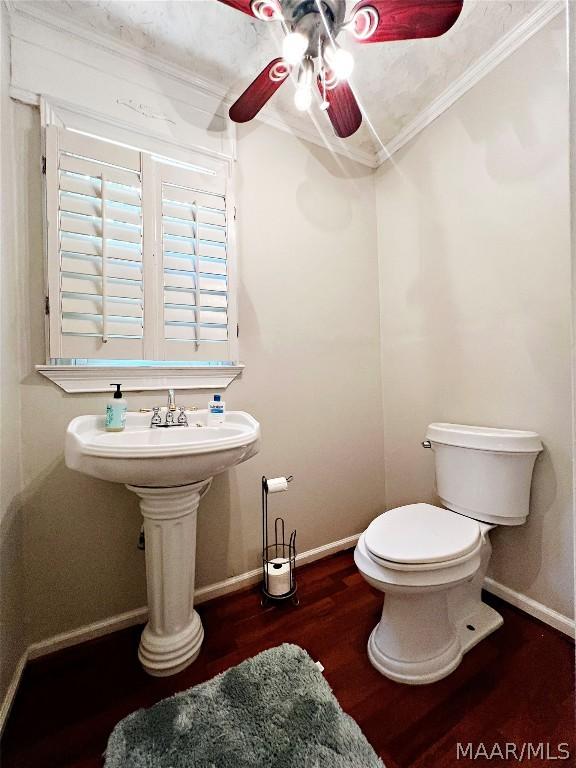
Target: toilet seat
(425, 567)
(388, 576)
(422, 537)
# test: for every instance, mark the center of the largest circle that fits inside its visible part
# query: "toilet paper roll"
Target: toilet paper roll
(278, 576)
(277, 484)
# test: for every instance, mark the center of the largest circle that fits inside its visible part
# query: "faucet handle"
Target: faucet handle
(182, 418)
(156, 418)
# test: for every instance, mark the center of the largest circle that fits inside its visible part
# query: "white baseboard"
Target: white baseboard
(202, 595)
(6, 704)
(532, 607)
(87, 632)
(244, 580)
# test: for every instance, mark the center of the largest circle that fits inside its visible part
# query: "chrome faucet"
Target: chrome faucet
(170, 420)
(171, 400)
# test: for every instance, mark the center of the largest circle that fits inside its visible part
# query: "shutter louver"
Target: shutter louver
(195, 265)
(99, 212)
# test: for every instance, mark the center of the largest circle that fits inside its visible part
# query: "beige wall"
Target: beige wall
(475, 297)
(307, 238)
(12, 640)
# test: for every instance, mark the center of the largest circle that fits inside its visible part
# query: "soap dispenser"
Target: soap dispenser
(116, 411)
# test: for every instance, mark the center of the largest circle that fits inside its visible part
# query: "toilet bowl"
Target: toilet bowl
(432, 612)
(431, 561)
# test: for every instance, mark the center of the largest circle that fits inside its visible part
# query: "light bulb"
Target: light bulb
(303, 98)
(340, 62)
(294, 47)
(303, 94)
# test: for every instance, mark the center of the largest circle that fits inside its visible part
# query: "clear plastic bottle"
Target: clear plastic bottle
(216, 411)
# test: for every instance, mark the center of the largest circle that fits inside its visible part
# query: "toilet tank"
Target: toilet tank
(484, 473)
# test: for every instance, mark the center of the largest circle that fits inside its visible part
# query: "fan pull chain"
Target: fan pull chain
(325, 103)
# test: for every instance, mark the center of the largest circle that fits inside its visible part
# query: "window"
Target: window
(139, 254)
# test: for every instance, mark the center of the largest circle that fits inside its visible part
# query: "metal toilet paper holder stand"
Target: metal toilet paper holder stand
(279, 549)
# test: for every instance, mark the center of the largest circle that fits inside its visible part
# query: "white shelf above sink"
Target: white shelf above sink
(77, 379)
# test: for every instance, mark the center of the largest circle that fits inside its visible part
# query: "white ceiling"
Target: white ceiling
(393, 81)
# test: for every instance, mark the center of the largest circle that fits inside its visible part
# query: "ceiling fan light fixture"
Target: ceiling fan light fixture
(294, 46)
(364, 23)
(311, 28)
(339, 61)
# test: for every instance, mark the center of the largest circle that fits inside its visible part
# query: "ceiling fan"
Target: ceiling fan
(310, 50)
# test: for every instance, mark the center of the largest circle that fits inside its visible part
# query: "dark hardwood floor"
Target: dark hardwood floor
(516, 686)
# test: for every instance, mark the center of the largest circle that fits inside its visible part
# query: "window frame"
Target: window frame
(89, 375)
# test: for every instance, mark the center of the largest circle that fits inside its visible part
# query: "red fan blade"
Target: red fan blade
(343, 109)
(245, 6)
(259, 91)
(381, 21)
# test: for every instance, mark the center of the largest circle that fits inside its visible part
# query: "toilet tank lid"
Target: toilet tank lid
(484, 438)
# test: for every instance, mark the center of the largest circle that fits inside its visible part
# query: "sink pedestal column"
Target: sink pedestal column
(172, 638)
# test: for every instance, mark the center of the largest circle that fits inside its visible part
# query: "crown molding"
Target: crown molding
(302, 128)
(120, 48)
(506, 46)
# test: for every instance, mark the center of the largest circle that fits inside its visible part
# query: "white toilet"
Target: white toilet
(431, 562)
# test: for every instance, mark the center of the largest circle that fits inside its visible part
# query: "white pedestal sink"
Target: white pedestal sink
(170, 469)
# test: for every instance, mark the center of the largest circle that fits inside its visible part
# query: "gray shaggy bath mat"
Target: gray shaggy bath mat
(275, 710)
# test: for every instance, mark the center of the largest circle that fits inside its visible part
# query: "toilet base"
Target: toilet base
(414, 672)
(478, 625)
(469, 631)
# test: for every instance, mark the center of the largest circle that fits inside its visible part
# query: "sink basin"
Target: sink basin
(160, 458)
(170, 470)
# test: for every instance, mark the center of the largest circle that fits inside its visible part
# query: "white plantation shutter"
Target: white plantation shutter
(95, 247)
(195, 271)
(124, 229)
